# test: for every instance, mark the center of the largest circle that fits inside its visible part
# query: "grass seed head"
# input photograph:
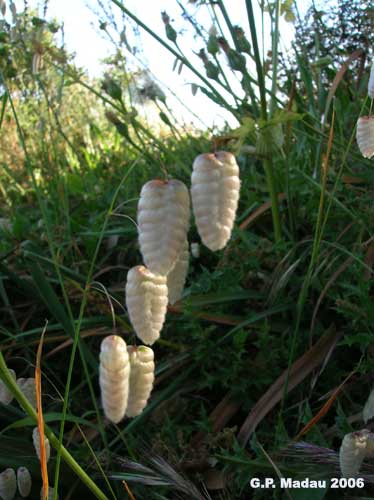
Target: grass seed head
(141, 378)
(215, 189)
(114, 371)
(163, 220)
(8, 484)
(24, 481)
(371, 82)
(365, 135)
(5, 395)
(36, 441)
(27, 386)
(355, 447)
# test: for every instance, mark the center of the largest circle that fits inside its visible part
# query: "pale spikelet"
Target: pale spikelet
(27, 386)
(36, 63)
(3, 7)
(36, 441)
(163, 218)
(24, 481)
(5, 395)
(13, 10)
(8, 484)
(51, 491)
(365, 135)
(368, 411)
(355, 447)
(146, 302)
(141, 378)
(177, 276)
(195, 250)
(215, 196)
(114, 372)
(371, 82)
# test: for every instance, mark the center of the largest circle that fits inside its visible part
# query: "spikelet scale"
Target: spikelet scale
(177, 277)
(146, 302)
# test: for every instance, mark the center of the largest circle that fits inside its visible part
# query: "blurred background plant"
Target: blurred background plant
(268, 330)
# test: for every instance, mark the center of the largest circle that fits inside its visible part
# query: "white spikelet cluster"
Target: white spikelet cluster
(141, 378)
(24, 481)
(215, 187)
(177, 277)
(27, 386)
(355, 447)
(36, 441)
(8, 484)
(5, 395)
(365, 135)
(371, 82)
(114, 374)
(163, 219)
(146, 302)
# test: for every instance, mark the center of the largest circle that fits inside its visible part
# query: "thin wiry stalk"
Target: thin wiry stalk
(81, 313)
(177, 55)
(259, 68)
(235, 40)
(313, 260)
(268, 166)
(275, 46)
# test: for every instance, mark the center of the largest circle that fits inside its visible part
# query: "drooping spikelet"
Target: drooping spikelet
(8, 484)
(177, 277)
(163, 219)
(27, 386)
(146, 302)
(371, 82)
(51, 491)
(355, 447)
(36, 441)
(195, 250)
(365, 135)
(141, 378)
(114, 374)
(215, 195)
(24, 481)
(368, 411)
(5, 395)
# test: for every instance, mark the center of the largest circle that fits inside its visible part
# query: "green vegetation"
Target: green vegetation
(267, 361)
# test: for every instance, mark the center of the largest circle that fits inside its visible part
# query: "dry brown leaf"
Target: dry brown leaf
(338, 78)
(300, 369)
(38, 390)
(325, 408)
(259, 211)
